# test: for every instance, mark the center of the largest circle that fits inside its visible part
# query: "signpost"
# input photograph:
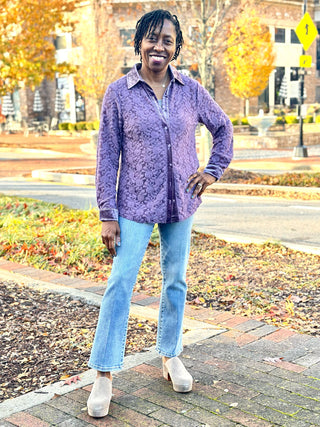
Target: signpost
(306, 32)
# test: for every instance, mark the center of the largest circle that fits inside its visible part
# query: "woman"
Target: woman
(149, 118)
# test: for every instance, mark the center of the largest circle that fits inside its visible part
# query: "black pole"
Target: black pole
(300, 150)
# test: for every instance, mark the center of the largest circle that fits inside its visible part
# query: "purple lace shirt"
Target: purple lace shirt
(155, 148)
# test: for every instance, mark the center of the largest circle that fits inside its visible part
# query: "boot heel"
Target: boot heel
(165, 372)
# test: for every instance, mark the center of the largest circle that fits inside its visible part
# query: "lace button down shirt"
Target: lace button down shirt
(155, 147)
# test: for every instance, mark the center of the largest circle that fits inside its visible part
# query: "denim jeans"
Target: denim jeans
(110, 338)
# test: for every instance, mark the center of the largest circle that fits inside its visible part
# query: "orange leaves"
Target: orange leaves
(27, 28)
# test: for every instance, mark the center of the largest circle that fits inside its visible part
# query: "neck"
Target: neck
(160, 78)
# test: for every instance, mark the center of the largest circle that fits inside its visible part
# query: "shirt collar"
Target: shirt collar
(133, 77)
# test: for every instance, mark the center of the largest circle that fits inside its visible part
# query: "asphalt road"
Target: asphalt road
(234, 218)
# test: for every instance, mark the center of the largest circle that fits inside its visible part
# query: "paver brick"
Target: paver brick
(263, 331)
(288, 366)
(127, 415)
(173, 419)
(236, 389)
(276, 403)
(309, 360)
(107, 421)
(280, 335)
(249, 325)
(66, 404)
(149, 370)
(246, 419)
(4, 423)
(74, 422)
(208, 418)
(314, 371)
(80, 395)
(300, 389)
(136, 403)
(48, 413)
(234, 321)
(23, 419)
(164, 400)
(309, 416)
(245, 339)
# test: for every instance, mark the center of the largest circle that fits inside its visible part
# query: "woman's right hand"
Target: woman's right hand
(110, 234)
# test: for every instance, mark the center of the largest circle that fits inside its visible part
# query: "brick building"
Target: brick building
(281, 16)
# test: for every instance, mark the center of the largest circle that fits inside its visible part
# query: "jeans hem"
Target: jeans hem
(104, 368)
(162, 353)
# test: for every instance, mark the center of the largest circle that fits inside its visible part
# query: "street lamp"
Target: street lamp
(301, 150)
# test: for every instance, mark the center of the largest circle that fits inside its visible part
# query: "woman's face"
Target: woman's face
(158, 48)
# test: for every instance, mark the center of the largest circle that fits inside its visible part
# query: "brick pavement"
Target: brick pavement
(249, 374)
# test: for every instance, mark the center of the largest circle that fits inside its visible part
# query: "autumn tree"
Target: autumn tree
(101, 53)
(205, 25)
(27, 30)
(250, 61)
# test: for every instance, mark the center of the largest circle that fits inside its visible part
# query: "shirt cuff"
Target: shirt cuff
(109, 215)
(214, 170)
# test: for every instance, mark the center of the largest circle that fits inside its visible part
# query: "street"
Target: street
(237, 218)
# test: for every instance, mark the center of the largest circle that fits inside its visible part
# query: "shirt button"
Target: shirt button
(170, 164)
(166, 128)
(169, 145)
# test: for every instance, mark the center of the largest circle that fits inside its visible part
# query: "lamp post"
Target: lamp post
(301, 150)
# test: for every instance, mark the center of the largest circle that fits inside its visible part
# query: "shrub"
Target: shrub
(64, 126)
(81, 126)
(291, 119)
(89, 126)
(308, 119)
(244, 121)
(71, 126)
(317, 119)
(234, 121)
(96, 125)
(280, 120)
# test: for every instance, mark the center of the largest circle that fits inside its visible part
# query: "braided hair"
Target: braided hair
(150, 21)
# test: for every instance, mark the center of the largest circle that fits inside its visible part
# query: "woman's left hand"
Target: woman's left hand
(199, 181)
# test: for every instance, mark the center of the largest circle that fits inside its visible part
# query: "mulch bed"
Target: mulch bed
(47, 337)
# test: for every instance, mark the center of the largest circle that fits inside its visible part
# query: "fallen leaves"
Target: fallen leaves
(47, 337)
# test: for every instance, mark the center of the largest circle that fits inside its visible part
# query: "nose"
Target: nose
(159, 45)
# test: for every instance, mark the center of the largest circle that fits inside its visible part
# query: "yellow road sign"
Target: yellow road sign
(306, 31)
(305, 61)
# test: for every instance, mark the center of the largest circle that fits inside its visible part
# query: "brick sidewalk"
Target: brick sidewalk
(249, 374)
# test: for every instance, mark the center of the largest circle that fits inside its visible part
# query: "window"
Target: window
(280, 35)
(294, 74)
(127, 36)
(60, 42)
(279, 75)
(317, 93)
(294, 38)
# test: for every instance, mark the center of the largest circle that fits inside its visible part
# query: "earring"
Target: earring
(140, 57)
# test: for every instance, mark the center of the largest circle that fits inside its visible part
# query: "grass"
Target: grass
(268, 282)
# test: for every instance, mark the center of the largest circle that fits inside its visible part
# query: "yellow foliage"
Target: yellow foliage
(249, 58)
(27, 29)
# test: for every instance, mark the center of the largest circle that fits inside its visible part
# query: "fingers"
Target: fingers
(110, 235)
(198, 182)
(196, 185)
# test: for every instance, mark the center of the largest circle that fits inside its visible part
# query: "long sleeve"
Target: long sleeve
(221, 129)
(108, 153)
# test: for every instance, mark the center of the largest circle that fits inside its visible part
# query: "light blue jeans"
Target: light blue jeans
(110, 338)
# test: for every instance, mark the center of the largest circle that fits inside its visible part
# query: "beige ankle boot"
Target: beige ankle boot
(181, 379)
(100, 397)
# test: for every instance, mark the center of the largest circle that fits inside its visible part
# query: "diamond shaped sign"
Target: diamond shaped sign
(306, 31)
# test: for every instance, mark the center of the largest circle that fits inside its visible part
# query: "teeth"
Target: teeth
(157, 57)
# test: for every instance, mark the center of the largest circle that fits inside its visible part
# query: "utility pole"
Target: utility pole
(301, 150)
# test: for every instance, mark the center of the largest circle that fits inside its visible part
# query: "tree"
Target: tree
(205, 24)
(101, 53)
(250, 61)
(27, 29)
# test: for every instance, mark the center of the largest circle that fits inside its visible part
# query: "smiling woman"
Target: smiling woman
(149, 118)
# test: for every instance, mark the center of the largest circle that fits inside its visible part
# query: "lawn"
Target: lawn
(269, 282)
